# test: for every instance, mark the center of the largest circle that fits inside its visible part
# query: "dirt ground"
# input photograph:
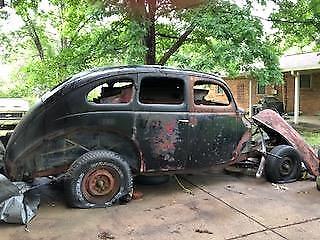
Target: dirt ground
(220, 207)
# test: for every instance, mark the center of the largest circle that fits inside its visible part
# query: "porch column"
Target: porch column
(296, 97)
(250, 97)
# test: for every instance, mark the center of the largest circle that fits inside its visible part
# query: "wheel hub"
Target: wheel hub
(99, 185)
(286, 166)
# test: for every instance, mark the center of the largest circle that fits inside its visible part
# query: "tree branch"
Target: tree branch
(34, 35)
(306, 21)
(167, 36)
(176, 45)
(82, 25)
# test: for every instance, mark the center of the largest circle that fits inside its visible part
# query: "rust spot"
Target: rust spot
(236, 156)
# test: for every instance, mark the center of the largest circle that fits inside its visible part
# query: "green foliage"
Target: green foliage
(311, 137)
(78, 35)
(229, 39)
(298, 22)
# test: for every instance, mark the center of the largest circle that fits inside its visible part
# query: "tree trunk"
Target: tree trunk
(34, 35)
(150, 38)
(63, 40)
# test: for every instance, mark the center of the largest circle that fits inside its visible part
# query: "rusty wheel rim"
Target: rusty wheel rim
(100, 185)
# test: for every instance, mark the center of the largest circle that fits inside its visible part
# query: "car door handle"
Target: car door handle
(183, 120)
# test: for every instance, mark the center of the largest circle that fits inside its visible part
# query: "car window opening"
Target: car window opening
(112, 93)
(161, 90)
(210, 94)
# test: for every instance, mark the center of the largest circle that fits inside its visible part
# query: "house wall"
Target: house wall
(309, 98)
(240, 89)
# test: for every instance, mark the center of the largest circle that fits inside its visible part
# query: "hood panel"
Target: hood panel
(270, 120)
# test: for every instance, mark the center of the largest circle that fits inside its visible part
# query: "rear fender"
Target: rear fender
(54, 153)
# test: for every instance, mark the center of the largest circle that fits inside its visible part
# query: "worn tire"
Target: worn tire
(2, 153)
(98, 179)
(284, 170)
(152, 180)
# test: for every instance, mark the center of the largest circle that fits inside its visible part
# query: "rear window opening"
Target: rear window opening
(161, 90)
(112, 93)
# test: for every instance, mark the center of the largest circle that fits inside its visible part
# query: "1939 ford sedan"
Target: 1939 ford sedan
(102, 127)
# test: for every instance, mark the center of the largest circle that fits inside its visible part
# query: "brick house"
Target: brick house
(301, 70)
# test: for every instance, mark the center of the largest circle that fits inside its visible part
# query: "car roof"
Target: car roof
(86, 77)
(137, 69)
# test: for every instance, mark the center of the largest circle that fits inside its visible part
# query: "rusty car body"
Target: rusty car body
(102, 127)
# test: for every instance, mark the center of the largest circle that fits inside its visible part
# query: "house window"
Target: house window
(305, 81)
(161, 90)
(261, 89)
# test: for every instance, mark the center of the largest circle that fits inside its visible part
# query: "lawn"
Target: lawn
(312, 137)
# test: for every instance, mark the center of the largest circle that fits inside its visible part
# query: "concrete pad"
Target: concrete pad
(166, 212)
(305, 231)
(262, 236)
(268, 203)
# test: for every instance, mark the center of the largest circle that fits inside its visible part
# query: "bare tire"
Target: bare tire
(283, 165)
(98, 179)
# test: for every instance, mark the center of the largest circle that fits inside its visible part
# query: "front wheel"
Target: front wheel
(283, 165)
(98, 179)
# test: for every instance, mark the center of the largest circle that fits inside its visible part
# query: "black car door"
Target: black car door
(213, 134)
(162, 121)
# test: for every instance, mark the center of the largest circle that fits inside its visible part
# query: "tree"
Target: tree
(209, 36)
(298, 22)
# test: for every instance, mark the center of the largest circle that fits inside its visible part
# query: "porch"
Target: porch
(311, 122)
(301, 88)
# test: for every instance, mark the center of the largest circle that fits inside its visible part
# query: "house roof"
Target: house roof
(300, 62)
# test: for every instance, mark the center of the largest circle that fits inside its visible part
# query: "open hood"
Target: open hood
(273, 124)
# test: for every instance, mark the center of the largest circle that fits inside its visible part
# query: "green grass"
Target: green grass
(313, 138)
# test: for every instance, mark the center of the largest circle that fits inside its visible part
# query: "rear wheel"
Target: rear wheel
(283, 165)
(98, 179)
